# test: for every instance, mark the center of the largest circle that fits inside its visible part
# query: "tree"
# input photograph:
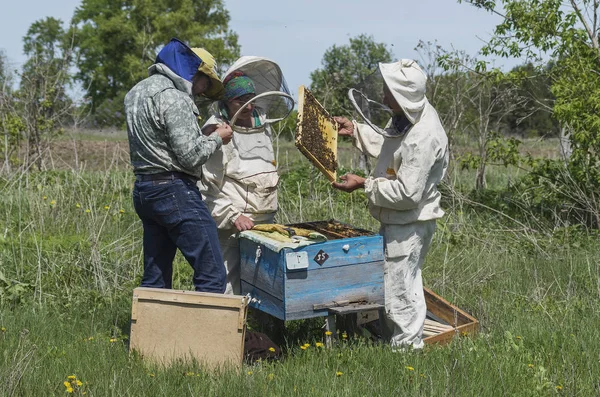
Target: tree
(45, 78)
(534, 118)
(448, 87)
(5, 75)
(11, 125)
(477, 102)
(472, 104)
(568, 31)
(344, 67)
(117, 40)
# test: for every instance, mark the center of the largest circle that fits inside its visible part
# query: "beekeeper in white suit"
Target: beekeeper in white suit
(240, 182)
(412, 158)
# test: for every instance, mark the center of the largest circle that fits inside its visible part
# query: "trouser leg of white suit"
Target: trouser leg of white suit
(406, 247)
(230, 247)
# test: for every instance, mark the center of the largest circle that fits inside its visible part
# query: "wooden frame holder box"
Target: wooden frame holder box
(450, 320)
(169, 325)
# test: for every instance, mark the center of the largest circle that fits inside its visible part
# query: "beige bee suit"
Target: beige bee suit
(403, 196)
(241, 179)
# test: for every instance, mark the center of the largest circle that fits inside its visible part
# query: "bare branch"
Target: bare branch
(591, 33)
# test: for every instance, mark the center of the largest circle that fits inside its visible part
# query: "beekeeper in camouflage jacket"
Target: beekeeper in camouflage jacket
(167, 152)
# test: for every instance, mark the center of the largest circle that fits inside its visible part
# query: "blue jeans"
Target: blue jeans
(174, 216)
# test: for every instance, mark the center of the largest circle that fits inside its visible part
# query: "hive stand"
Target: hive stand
(352, 310)
(444, 320)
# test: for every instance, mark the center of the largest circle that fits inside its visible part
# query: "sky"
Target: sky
(296, 34)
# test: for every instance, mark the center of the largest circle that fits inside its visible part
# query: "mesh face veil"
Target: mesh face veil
(272, 97)
(375, 108)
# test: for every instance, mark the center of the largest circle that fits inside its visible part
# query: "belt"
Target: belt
(165, 176)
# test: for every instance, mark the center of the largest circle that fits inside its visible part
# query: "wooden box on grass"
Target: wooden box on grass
(459, 322)
(168, 325)
(298, 283)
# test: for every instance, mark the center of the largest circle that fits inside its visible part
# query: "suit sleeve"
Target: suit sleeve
(221, 207)
(367, 140)
(407, 189)
(190, 146)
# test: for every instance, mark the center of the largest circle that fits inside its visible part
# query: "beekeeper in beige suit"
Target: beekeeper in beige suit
(412, 158)
(239, 183)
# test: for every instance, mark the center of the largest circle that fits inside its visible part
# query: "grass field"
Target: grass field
(71, 254)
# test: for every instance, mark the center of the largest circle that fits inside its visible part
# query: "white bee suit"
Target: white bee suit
(403, 196)
(242, 178)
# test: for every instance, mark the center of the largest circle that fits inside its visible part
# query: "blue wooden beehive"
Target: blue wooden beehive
(297, 283)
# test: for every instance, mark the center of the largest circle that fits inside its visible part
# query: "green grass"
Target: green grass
(67, 276)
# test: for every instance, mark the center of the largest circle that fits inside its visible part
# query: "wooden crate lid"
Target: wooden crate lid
(190, 297)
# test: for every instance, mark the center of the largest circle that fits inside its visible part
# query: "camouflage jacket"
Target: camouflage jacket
(162, 126)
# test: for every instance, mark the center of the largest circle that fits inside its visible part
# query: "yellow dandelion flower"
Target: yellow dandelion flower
(318, 344)
(106, 207)
(250, 372)
(53, 202)
(112, 340)
(189, 374)
(3, 329)
(558, 387)
(87, 211)
(464, 333)
(77, 205)
(530, 365)
(270, 376)
(151, 375)
(71, 377)
(328, 333)
(303, 347)
(44, 198)
(422, 376)
(518, 337)
(338, 373)
(66, 383)
(79, 383)
(306, 345)
(409, 368)
(121, 211)
(69, 389)
(344, 335)
(90, 338)
(272, 349)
